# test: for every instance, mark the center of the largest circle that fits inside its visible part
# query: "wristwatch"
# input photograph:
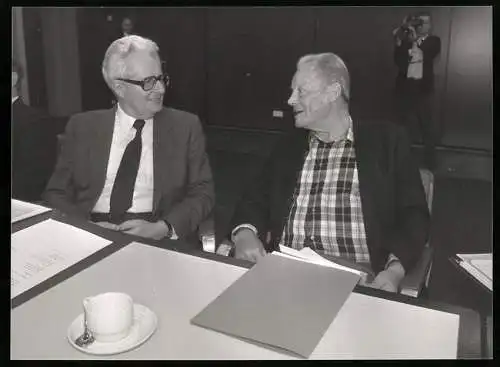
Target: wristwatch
(226, 248)
(170, 231)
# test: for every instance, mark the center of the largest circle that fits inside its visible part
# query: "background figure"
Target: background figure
(127, 26)
(414, 54)
(34, 144)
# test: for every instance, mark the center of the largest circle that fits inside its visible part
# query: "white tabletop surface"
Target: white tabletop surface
(177, 287)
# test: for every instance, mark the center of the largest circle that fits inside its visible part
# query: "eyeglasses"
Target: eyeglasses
(149, 83)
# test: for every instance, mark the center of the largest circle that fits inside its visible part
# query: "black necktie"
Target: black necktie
(123, 188)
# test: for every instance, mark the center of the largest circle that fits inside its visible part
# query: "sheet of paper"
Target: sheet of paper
(309, 255)
(480, 266)
(375, 328)
(282, 302)
(20, 210)
(486, 267)
(46, 248)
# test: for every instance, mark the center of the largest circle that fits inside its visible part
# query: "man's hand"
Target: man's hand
(248, 246)
(388, 279)
(142, 228)
(108, 225)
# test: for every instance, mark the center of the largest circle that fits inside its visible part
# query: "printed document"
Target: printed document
(20, 210)
(45, 249)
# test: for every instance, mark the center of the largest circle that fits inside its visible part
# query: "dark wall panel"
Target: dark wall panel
(251, 59)
(96, 31)
(469, 89)
(180, 34)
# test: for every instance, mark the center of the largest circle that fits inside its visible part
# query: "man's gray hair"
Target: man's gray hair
(114, 65)
(330, 69)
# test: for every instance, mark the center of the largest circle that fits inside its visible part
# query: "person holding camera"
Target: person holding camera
(414, 54)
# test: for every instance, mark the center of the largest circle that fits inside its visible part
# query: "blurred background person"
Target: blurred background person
(34, 143)
(414, 54)
(127, 26)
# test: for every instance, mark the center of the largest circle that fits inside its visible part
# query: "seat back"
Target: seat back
(428, 182)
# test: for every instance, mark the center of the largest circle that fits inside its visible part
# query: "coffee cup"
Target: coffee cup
(109, 316)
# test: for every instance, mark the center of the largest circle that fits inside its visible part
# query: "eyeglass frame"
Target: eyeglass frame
(165, 78)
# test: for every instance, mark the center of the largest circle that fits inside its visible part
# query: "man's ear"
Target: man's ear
(15, 78)
(118, 88)
(334, 91)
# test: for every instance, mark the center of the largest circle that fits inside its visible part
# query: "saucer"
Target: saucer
(143, 327)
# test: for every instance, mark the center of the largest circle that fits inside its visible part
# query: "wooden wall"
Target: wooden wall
(233, 66)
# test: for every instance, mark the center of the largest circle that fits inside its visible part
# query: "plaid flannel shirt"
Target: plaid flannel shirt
(326, 212)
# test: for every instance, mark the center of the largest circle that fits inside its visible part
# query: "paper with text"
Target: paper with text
(20, 210)
(45, 249)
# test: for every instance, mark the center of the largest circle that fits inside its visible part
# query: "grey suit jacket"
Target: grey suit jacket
(183, 184)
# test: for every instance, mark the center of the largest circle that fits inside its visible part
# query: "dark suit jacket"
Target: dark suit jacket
(183, 183)
(34, 150)
(431, 47)
(396, 215)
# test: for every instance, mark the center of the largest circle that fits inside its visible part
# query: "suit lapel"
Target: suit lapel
(100, 149)
(162, 152)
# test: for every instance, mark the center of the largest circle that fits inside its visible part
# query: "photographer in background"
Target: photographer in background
(414, 54)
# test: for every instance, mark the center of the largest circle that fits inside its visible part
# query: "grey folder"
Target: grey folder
(281, 302)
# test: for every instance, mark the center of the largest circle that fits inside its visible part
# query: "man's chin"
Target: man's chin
(301, 123)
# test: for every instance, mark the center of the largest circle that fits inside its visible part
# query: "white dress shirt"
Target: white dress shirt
(124, 133)
(14, 99)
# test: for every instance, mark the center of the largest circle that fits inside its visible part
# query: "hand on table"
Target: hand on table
(143, 228)
(248, 246)
(388, 279)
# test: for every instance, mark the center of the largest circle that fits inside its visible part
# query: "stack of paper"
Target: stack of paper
(281, 301)
(309, 255)
(480, 266)
(20, 210)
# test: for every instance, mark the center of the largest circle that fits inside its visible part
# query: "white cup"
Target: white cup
(109, 316)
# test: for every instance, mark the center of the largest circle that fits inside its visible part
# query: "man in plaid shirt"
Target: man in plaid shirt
(346, 190)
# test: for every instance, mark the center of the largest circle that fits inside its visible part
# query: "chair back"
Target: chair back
(428, 182)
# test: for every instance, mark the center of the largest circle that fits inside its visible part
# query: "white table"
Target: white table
(177, 286)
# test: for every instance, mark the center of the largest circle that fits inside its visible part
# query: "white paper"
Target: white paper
(480, 266)
(20, 210)
(45, 249)
(486, 267)
(309, 255)
(375, 328)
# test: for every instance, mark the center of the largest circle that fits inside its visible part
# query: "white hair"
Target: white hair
(114, 65)
(330, 69)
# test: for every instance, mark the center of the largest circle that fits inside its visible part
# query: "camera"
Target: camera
(404, 32)
(413, 21)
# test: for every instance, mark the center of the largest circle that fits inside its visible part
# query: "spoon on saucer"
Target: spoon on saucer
(86, 338)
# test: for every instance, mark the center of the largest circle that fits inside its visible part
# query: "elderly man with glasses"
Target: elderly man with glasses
(139, 167)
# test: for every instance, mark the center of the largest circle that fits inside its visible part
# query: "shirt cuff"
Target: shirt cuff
(224, 249)
(392, 258)
(174, 235)
(246, 225)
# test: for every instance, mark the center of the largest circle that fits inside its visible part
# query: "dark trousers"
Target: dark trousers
(412, 102)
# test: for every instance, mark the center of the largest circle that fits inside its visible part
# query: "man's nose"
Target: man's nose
(292, 100)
